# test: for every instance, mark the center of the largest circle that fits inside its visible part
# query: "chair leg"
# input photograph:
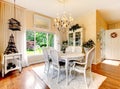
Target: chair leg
(70, 72)
(58, 75)
(72, 75)
(52, 72)
(45, 67)
(85, 80)
(91, 77)
(48, 68)
(75, 73)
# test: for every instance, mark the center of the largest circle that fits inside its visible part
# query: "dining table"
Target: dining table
(67, 57)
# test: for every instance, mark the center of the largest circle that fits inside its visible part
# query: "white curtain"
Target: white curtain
(21, 46)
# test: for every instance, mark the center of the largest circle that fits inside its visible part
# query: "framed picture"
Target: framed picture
(42, 22)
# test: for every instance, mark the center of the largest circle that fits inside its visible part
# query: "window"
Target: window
(37, 40)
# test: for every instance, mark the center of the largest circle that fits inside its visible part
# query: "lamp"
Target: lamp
(63, 21)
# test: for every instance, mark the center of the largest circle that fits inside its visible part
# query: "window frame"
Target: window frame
(47, 37)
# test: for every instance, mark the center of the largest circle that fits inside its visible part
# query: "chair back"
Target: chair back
(89, 57)
(55, 58)
(45, 55)
(48, 50)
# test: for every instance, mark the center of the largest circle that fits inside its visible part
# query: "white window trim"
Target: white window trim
(35, 40)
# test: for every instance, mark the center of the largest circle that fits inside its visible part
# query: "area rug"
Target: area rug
(76, 82)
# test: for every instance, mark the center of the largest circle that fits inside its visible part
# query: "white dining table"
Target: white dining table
(68, 57)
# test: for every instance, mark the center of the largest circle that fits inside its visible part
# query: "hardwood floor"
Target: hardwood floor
(111, 72)
(27, 79)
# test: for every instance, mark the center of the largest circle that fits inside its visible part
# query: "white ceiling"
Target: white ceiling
(110, 9)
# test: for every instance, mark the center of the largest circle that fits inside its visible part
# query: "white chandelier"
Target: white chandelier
(63, 21)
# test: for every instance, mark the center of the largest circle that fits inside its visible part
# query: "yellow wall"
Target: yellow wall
(92, 22)
(88, 22)
(100, 25)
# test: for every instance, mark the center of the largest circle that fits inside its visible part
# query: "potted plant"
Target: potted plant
(88, 45)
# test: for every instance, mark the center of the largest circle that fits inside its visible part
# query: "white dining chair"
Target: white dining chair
(46, 59)
(82, 67)
(48, 51)
(57, 65)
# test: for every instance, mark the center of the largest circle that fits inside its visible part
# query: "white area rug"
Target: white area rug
(74, 83)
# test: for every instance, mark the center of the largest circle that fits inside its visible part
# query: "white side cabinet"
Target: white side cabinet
(11, 62)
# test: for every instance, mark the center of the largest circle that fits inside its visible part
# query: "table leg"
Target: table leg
(3, 71)
(66, 72)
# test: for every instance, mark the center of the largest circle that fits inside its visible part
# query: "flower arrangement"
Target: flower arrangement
(64, 46)
(75, 27)
(89, 44)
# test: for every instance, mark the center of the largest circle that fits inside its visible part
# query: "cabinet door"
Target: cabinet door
(77, 38)
(70, 39)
